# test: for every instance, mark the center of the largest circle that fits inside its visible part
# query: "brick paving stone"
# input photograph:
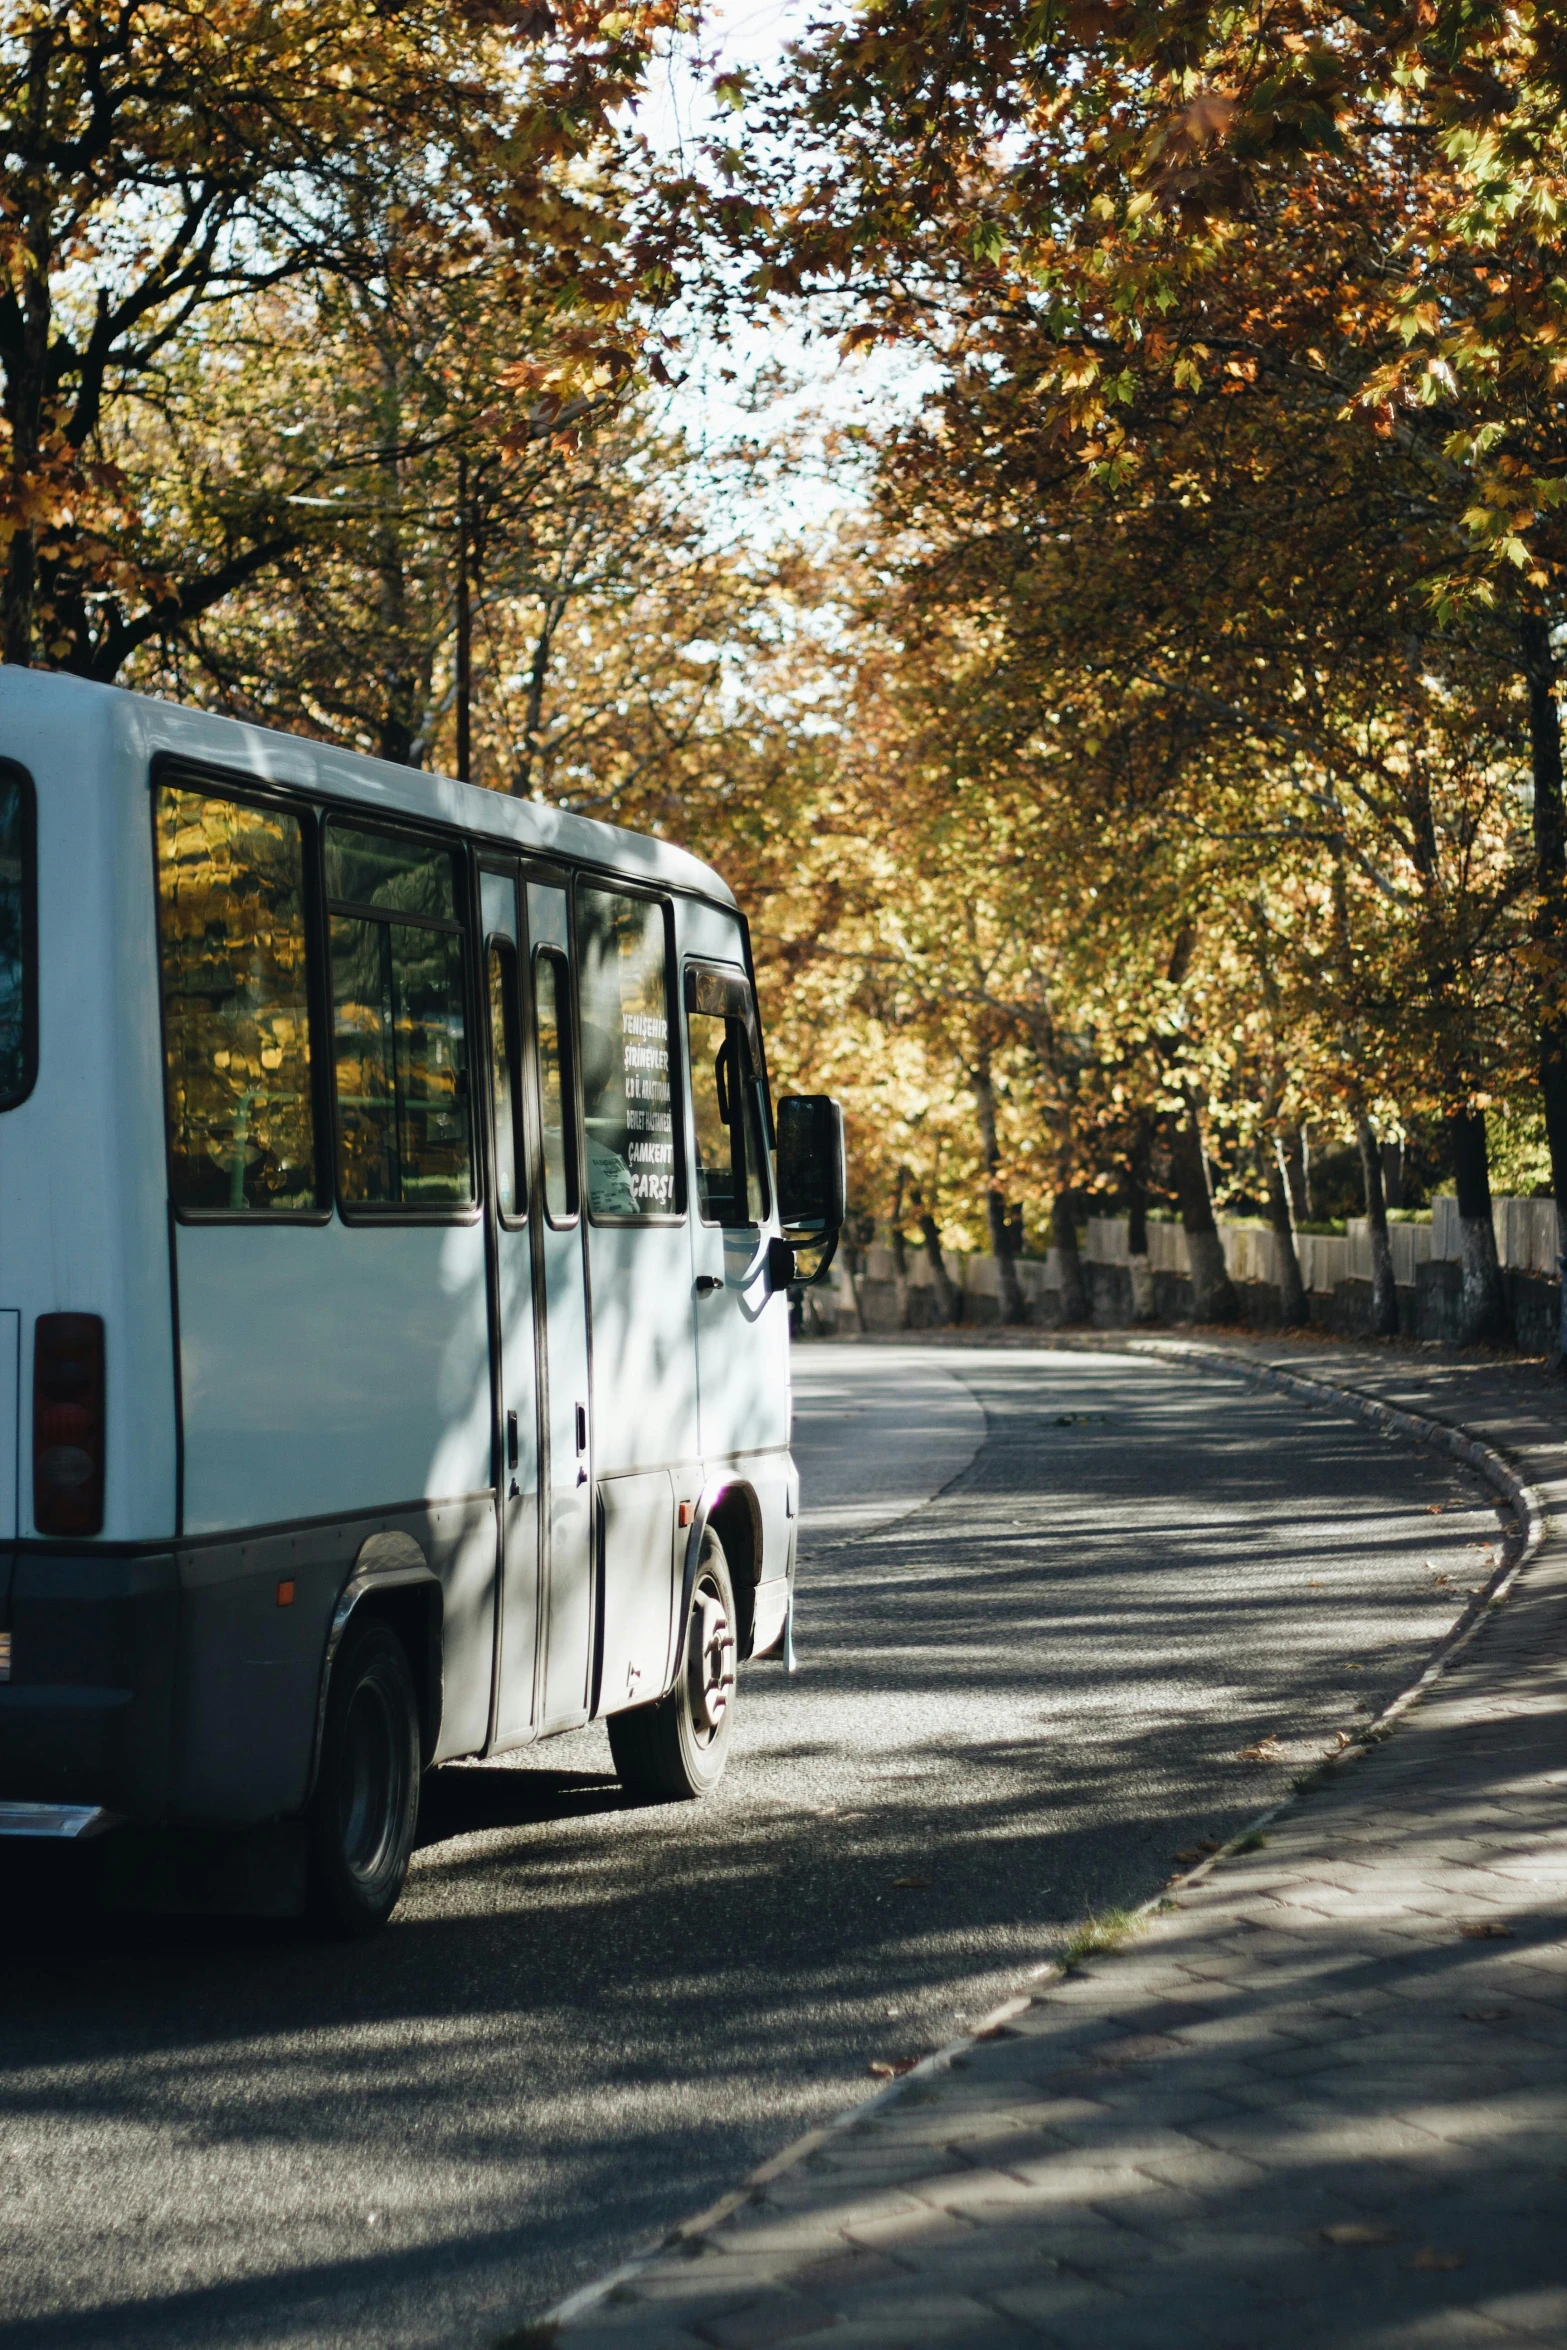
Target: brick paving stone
(965, 2326)
(937, 2233)
(1541, 2312)
(1103, 2321)
(883, 2166)
(1180, 2142)
(632, 2328)
(709, 2287)
(1203, 2170)
(1056, 2302)
(762, 2324)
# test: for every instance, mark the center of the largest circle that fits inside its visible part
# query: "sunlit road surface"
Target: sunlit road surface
(1034, 1635)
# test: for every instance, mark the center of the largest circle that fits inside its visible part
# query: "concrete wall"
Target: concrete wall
(1336, 1270)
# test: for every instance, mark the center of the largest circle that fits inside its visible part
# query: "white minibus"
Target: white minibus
(394, 1359)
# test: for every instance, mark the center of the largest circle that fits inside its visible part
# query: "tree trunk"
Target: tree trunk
(464, 631)
(1292, 1289)
(1384, 1290)
(1009, 1292)
(949, 1305)
(900, 1251)
(1144, 1305)
(1008, 1287)
(532, 753)
(1213, 1292)
(24, 381)
(1482, 1313)
(399, 709)
(1393, 1174)
(1550, 923)
(1300, 1177)
(851, 1269)
(1063, 1231)
(900, 1274)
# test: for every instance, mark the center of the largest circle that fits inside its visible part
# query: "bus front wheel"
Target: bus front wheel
(677, 1748)
(366, 1803)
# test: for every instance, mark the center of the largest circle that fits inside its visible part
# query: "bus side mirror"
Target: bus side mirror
(813, 1174)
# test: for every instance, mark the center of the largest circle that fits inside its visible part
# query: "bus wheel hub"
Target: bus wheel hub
(713, 1651)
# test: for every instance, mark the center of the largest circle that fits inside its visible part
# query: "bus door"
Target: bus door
(742, 1329)
(646, 1463)
(561, 1288)
(517, 1414)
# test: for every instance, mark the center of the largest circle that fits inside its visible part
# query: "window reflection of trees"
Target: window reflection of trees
(399, 1046)
(549, 996)
(236, 1005)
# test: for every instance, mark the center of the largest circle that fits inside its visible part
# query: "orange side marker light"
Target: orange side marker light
(285, 1594)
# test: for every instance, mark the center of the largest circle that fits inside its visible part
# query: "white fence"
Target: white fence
(1525, 1240)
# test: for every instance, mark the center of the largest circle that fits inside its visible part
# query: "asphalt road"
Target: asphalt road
(1016, 1702)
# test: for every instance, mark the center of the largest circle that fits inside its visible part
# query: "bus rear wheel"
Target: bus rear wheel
(366, 1804)
(677, 1748)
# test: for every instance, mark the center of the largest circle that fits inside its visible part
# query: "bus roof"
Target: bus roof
(34, 701)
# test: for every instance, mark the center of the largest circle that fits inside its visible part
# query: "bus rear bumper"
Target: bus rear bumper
(86, 1715)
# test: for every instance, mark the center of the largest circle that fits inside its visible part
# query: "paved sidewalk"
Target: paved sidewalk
(1319, 2098)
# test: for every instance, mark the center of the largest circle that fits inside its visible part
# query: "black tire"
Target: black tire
(677, 1749)
(366, 1804)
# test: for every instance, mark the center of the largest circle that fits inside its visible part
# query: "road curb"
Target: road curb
(1531, 1528)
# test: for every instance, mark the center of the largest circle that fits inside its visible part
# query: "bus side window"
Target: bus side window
(731, 1158)
(501, 972)
(399, 1049)
(236, 1015)
(554, 1073)
(627, 1106)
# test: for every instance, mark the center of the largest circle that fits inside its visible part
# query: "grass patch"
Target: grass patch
(1098, 1934)
(1252, 1843)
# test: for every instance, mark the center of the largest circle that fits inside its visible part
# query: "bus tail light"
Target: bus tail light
(68, 1415)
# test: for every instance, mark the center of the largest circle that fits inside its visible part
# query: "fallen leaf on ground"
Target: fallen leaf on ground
(1266, 1750)
(1434, 1509)
(1356, 2231)
(1441, 1579)
(1198, 1851)
(890, 2068)
(1484, 2015)
(1429, 2257)
(913, 1884)
(1342, 1739)
(1486, 1930)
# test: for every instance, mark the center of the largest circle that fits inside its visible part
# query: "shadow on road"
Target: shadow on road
(467, 1799)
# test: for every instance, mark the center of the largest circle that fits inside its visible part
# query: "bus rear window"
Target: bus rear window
(236, 1008)
(18, 1011)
